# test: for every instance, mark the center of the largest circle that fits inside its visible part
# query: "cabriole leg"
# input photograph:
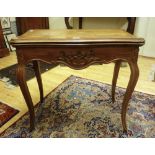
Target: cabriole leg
(25, 91)
(130, 88)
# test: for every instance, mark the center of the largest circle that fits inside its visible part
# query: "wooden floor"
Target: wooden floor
(54, 77)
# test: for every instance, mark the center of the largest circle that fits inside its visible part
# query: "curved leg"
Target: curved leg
(115, 76)
(39, 80)
(25, 91)
(130, 88)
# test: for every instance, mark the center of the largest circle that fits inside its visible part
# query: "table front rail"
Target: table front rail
(77, 58)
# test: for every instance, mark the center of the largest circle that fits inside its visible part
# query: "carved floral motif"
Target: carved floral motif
(78, 58)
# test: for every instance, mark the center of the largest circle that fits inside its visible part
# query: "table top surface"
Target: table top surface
(41, 36)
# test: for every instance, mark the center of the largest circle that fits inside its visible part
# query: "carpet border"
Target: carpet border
(17, 111)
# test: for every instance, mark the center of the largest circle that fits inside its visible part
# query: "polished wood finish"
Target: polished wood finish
(3, 50)
(84, 36)
(26, 23)
(77, 49)
(39, 80)
(115, 76)
(25, 91)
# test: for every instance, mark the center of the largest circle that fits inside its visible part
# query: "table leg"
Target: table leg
(130, 88)
(115, 76)
(25, 91)
(39, 80)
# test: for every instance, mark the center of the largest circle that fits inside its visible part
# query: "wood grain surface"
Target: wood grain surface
(77, 36)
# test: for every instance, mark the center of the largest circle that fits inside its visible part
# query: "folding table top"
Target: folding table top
(76, 36)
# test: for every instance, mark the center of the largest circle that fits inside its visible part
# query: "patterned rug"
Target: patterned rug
(8, 74)
(6, 113)
(83, 108)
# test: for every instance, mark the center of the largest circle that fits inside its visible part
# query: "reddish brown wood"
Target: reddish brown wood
(3, 50)
(100, 55)
(39, 80)
(130, 88)
(115, 76)
(25, 91)
(77, 55)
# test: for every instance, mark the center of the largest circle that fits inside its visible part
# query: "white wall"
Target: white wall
(145, 27)
(57, 23)
(140, 30)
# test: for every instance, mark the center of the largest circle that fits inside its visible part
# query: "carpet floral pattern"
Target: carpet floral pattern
(83, 108)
